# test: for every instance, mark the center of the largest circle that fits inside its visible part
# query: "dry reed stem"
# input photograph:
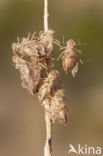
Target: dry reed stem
(46, 14)
(48, 148)
(48, 144)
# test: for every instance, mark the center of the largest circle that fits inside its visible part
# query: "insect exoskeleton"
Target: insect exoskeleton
(71, 43)
(30, 73)
(58, 109)
(47, 39)
(48, 85)
(29, 48)
(18, 61)
(62, 116)
(36, 73)
(70, 58)
(69, 62)
(24, 71)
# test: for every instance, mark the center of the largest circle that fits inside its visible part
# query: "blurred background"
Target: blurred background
(22, 124)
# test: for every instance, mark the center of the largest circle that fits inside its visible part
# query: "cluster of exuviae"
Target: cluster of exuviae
(33, 57)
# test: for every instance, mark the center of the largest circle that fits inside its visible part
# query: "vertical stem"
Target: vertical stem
(47, 148)
(46, 14)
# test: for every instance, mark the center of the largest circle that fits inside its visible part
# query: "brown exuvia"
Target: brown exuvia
(34, 59)
(70, 57)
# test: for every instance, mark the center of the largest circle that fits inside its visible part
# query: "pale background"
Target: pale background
(22, 125)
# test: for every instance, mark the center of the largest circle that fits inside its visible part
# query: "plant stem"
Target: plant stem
(46, 14)
(48, 148)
